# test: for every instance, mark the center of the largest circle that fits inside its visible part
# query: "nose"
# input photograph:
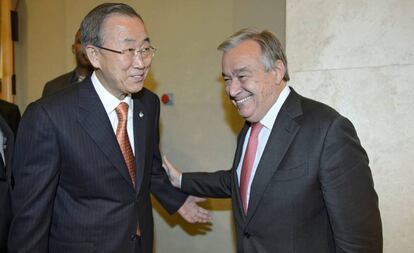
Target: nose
(233, 88)
(137, 61)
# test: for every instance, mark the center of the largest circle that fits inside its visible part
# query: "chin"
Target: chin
(136, 88)
(247, 118)
(246, 114)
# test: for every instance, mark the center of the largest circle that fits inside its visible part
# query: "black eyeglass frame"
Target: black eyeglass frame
(136, 51)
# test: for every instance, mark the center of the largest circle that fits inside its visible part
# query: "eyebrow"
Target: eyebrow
(238, 71)
(147, 39)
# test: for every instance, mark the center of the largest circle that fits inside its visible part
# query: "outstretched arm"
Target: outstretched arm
(190, 211)
(173, 173)
(203, 184)
(172, 199)
(193, 213)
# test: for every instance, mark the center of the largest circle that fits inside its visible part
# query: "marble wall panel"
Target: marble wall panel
(349, 34)
(357, 56)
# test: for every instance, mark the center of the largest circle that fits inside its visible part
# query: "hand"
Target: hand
(193, 213)
(174, 175)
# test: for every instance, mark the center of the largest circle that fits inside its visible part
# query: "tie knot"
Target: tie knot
(256, 127)
(122, 111)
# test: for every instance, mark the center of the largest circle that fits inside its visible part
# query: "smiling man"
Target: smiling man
(87, 157)
(300, 180)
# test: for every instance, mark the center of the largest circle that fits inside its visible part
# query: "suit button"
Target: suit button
(247, 235)
(133, 237)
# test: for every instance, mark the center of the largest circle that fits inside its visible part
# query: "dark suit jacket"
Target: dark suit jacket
(72, 189)
(5, 179)
(59, 83)
(312, 192)
(11, 114)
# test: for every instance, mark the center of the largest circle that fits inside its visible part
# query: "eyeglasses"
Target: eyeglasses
(145, 53)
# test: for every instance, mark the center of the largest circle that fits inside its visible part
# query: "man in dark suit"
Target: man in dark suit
(6, 150)
(82, 70)
(88, 158)
(11, 114)
(300, 180)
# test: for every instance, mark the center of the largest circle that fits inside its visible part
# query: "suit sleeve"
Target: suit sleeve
(348, 191)
(211, 184)
(170, 197)
(36, 173)
(214, 185)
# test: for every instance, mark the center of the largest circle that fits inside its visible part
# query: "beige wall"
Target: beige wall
(199, 130)
(358, 56)
(263, 14)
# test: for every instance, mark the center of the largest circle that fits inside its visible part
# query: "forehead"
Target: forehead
(245, 55)
(122, 28)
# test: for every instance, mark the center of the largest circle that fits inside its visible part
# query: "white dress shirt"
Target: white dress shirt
(267, 122)
(110, 102)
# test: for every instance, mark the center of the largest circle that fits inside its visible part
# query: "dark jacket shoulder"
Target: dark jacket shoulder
(11, 114)
(59, 83)
(314, 110)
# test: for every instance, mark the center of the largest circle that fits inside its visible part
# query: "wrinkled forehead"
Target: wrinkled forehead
(245, 54)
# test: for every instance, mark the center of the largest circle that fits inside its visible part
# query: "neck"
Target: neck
(82, 71)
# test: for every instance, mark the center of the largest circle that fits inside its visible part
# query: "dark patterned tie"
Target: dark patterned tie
(123, 140)
(248, 161)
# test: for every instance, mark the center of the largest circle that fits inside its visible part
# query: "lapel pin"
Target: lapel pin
(141, 114)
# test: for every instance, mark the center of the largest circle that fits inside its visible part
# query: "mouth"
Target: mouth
(242, 100)
(137, 77)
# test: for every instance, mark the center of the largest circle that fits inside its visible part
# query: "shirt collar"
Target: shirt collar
(270, 117)
(109, 101)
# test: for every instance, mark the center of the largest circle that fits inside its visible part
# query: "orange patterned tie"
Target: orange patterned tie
(123, 140)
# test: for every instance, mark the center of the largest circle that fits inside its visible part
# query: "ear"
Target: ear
(73, 49)
(279, 71)
(93, 56)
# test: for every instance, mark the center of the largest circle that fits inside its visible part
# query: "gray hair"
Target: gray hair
(91, 26)
(272, 49)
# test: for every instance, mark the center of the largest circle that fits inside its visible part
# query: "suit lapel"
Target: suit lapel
(236, 162)
(94, 119)
(139, 119)
(284, 131)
